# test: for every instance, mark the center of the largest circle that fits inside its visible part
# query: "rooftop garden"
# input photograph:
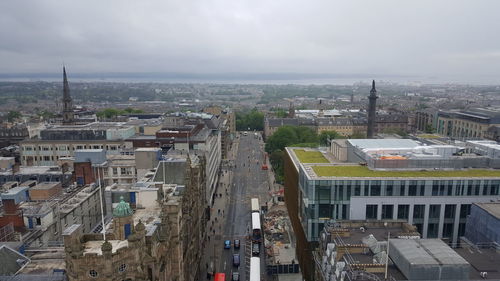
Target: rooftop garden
(310, 156)
(363, 171)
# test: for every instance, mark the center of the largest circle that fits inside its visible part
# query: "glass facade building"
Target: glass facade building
(438, 207)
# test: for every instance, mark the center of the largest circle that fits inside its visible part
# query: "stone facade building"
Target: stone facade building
(161, 240)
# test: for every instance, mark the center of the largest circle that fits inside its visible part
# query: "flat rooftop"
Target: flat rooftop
(481, 260)
(493, 208)
(310, 156)
(317, 165)
(45, 185)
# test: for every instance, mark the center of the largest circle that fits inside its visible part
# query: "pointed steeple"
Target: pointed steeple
(66, 95)
(68, 115)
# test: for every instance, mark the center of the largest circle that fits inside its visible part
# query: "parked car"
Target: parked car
(236, 243)
(235, 276)
(255, 249)
(236, 260)
(227, 244)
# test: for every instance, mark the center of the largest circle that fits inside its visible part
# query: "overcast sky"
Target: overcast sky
(424, 38)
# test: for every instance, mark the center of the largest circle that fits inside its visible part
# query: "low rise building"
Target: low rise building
(468, 124)
(61, 142)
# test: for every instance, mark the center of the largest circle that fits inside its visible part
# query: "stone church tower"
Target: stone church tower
(372, 111)
(68, 114)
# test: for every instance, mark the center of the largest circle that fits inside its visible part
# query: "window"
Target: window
(123, 171)
(422, 188)
(357, 190)
(434, 211)
(461, 229)
(93, 273)
(122, 267)
(469, 188)
(389, 189)
(464, 211)
(418, 211)
(345, 211)
(435, 188)
(476, 187)
(419, 227)
(115, 171)
(412, 189)
(403, 212)
(449, 211)
(323, 193)
(325, 210)
(46, 158)
(447, 230)
(402, 189)
(371, 211)
(387, 211)
(450, 188)
(486, 186)
(375, 188)
(432, 230)
(494, 187)
(79, 147)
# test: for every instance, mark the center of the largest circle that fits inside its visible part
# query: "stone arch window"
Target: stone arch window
(122, 267)
(93, 273)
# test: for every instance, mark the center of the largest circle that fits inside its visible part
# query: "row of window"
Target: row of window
(65, 148)
(414, 188)
(93, 273)
(403, 211)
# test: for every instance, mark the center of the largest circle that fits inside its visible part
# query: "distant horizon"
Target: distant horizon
(280, 78)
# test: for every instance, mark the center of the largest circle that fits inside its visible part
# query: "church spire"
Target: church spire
(68, 115)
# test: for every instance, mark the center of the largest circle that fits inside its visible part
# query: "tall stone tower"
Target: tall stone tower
(372, 110)
(68, 114)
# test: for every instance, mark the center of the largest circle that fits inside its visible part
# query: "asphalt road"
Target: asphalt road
(248, 181)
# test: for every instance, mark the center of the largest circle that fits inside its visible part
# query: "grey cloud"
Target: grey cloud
(424, 37)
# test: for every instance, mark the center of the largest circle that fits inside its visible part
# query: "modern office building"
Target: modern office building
(431, 187)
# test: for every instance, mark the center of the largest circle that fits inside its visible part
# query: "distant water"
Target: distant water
(270, 79)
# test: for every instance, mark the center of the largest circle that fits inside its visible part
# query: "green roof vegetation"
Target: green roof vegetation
(363, 171)
(310, 156)
(428, 136)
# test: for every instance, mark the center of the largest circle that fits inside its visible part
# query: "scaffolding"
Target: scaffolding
(7, 233)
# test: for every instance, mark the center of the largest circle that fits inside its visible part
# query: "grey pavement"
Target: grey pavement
(244, 181)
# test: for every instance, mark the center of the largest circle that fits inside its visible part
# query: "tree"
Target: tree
(288, 136)
(253, 120)
(429, 129)
(283, 137)
(13, 115)
(325, 135)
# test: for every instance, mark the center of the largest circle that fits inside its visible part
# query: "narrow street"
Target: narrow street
(244, 181)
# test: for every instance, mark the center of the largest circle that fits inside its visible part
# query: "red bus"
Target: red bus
(220, 277)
